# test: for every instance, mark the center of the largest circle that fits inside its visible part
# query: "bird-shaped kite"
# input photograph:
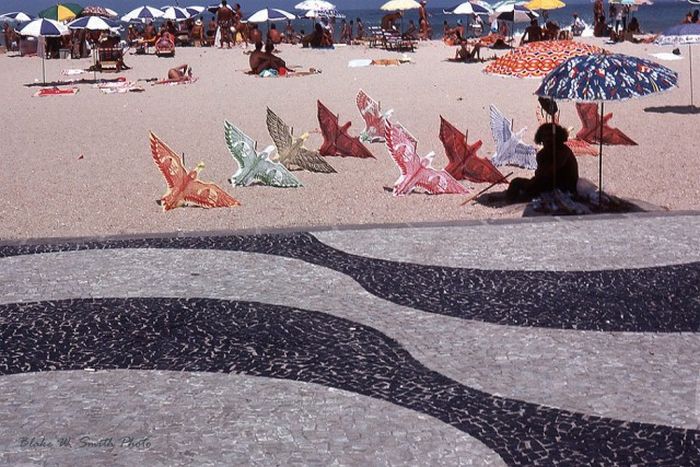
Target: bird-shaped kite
(184, 189)
(510, 148)
(253, 166)
(373, 117)
(416, 171)
(464, 161)
(578, 146)
(336, 140)
(590, 119)
(291, 151)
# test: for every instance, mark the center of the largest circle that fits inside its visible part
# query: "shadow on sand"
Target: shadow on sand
(674, 109)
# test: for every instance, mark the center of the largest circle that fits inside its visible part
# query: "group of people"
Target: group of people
(423, 31)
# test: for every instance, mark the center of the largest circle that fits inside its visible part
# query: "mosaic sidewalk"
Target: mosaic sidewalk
(542, 342)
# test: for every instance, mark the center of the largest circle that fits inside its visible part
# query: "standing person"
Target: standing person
(273, 35)
(625, 14)
(211, 31)
(344, 32)
(360, 29)
(224, 19)
(423, 17)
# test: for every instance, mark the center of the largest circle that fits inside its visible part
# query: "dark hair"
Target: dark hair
(223, 2)
(272, 26)
(546, 130)
(269, 46)
(258, 46)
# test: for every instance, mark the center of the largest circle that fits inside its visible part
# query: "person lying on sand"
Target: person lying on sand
(556, 166)
(180, 74)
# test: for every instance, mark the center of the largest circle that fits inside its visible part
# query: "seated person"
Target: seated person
(272, 61)
(165, 41)
(463, 54)
(533, 33)
(577, 26)
(180, 73)
(633, 27)
(550, 31)
(256, 59)
(556, 166)
(412, 32)
(273, 35)
(319, 38)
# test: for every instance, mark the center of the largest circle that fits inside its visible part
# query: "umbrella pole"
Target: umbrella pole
(43, 68)
(690, 59)
(600, 159)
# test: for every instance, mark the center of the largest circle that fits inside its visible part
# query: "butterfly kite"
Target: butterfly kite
(464, 163)
(374, 118)
(578, 146)
(590, 118)
(184, 188)
(336, 140)
(253, 166)
(291, 151)
(416, 171)
(510, 148)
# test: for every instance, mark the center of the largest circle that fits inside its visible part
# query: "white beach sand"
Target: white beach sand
(47, 191)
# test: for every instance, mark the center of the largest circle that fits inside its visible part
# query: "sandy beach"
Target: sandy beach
(48, 190)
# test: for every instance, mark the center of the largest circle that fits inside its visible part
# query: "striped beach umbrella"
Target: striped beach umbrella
(176, 13)
(195, 10)
(315, 5)
(606, 77)
(16, 16)
(142, 13)
(682, 34)
(61, 11)
(93, 23)
(468, 8)
(270, 14)
(41, 28)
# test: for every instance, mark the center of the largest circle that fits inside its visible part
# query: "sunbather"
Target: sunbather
(464, 54)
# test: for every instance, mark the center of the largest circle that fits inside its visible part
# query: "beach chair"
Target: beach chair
(110, 58)
(393, 41)
(375, 36)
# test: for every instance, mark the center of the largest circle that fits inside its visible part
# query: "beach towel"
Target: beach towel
(55, 92)
(359, 62)
(73, 71)
(666, 56)
(118, 87)
(170, 82)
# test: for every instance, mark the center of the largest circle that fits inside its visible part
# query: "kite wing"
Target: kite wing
(279, 131)
(169, 163)
(309, 160)
(438, 182)
(336, 141)
(581, 148)
(271, 173)
(208, 195)
(371, 114)
(240, 145)
(402, 147)
(455, 144)
(590, 119)
(615, 136)
(500, 128)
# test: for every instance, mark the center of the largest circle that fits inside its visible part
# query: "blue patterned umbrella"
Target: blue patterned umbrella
(681, 34)
(606, 77)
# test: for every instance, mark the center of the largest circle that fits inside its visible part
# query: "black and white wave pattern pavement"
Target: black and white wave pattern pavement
(255, 338)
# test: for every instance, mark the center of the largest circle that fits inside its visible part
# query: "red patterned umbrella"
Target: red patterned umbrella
(94, 10)
(537, 59)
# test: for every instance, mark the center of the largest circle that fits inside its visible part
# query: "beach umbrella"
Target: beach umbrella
(537, 59)
(142, 13)
(94, 10)
(315, 5)
(324, 14)
(176, 13)
(41, 28)
(195, 10)
(400, 5)
(61, 11)
(682, 34)
(468, 8)
(547, 4)
(16, 16)
(267, 15)
(606, 77)
(93, 23)
(514, 13)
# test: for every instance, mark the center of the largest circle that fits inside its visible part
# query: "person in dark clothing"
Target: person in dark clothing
(556, 166)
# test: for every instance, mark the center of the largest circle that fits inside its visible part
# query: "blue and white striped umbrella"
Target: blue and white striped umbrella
(93, 23)
(16, 16)
(680, 34)
(195, 10)
(606, 77)
(468, 8)
(176, 13)
(43, 27)
(270, 14)
(142, 13)
(215, 8)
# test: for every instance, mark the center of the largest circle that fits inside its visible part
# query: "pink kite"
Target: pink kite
(373, 117)
(55, 92)
(416, 171)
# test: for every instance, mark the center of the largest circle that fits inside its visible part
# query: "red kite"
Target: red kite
(336, 140)
(590, 118)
